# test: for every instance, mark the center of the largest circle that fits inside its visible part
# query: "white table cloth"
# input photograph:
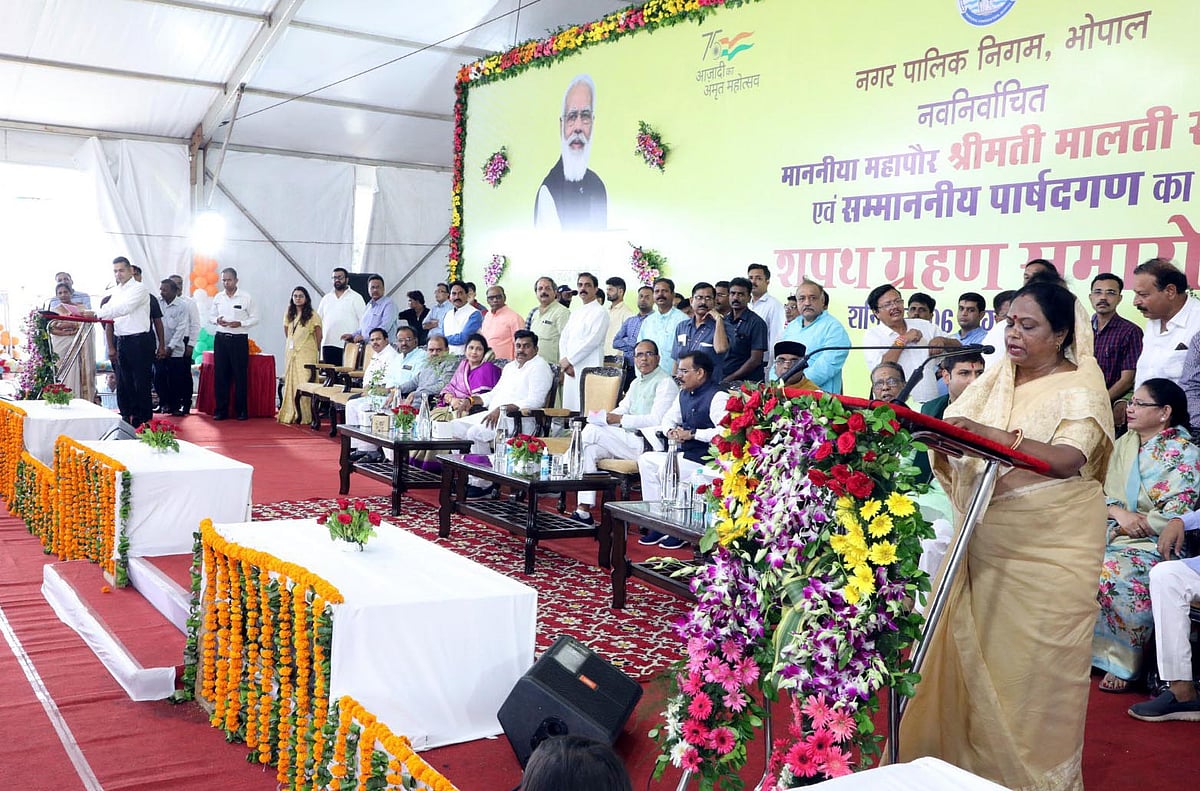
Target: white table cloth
(80, 420)
(923, 774)
(429, 642)
(173, 492)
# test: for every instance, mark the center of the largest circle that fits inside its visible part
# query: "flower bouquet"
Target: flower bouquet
(159, 434)
(403, 417)
(491, 275)
(647, 264)
(350, 522)
(650, 147)
(496, 167)
(526, 453)
(57, 394)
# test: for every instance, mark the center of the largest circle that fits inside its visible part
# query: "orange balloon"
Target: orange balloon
(5, 339)
(212, 290)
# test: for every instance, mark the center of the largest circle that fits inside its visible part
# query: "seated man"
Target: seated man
(693, 420)
(787, 355)
(1174, 587)
(358, 409)
(524, 384)
(616, 435)
(432, 377)
(400, 379)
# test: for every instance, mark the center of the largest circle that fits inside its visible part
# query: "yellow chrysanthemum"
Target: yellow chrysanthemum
(730, 531)
(883, 553)
(852, 592)
(839, 544)
(855, 554)
(865, 582)
(880, 526)
(900, 505)
(849, 522)
(844, 503)
(870, 508)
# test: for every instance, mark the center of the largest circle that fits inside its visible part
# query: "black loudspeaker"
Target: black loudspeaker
(121, 431)
(570, 689)
(358, 282)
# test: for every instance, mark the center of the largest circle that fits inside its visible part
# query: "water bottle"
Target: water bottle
(575, 451)
(500, 457)
(670, 475)
(544, 472)
(424, 423)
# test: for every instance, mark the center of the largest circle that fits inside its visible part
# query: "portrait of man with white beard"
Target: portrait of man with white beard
(571, 197)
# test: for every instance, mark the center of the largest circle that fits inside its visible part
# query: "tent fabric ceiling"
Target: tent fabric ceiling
(157, 68)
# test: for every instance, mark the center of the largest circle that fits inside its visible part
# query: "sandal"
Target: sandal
(1113, 684)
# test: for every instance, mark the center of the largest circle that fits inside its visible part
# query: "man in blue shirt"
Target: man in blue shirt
(659, 326)
(626, 338)
(971, 307)
(381, 312)
(437, 311)
(704, 332)
(817, 329)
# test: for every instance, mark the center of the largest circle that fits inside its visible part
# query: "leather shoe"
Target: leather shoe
(179, 413)
(219, 416)
(356, 455)
(373, 457)
(243, 417)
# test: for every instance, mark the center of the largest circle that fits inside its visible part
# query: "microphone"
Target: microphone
(802, 363)
(917, 375)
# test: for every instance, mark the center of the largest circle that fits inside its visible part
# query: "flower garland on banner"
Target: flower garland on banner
(92, 497)
(496, 167)
(12, 443)
(647, 264)
(650, 16)
(650, 147)
(491, 275)
(812, 565)
(38, 369)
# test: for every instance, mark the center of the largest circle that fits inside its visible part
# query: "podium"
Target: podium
(79, 341)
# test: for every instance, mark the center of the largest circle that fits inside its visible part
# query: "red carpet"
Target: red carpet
(156, 745)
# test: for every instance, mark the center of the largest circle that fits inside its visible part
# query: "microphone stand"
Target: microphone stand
(802, 363)
(917, 375)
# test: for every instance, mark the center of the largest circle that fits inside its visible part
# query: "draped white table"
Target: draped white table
(81, 420)
(429, 642)
(923, 774)
(171, 493)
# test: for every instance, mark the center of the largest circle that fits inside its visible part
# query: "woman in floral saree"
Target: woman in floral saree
(1152, 477)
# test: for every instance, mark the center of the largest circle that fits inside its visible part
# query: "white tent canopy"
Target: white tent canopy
(138, 94)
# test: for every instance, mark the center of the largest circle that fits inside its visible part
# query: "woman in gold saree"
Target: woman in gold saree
(80, 375)
(1004, 687)
(302, 329)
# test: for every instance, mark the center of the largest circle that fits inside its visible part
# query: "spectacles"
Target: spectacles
(701, 298)
(490, 297)
(641, 355)
(782, 361)
(682, 371)
(889, 382)
(1105, 292)
(1139, 404)
(583, 116)
(895, 303)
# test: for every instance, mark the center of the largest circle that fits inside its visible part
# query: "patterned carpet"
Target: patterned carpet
(573, 597)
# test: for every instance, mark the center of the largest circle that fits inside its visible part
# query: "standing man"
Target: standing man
(1160, 292)
(471, 298)
(766, 306)
(617, 434)
(501, 323)
(77, 297)
(618, 311)
(172, 369)
(921, 306)
(234, 313)
(462, 321)
(1118, 340)
(626, 338)
(572, 197)
(129, 307)
(747, 336)
(194, 326)
(817, 329)
(442, 306)
(704, 331)
(971, 307)
(341, 312)
(156, 323)
(379, 312)
(660, 325)
(722, 297)
(547, 320)
(416, 315)
(581, 345)
(565, 293)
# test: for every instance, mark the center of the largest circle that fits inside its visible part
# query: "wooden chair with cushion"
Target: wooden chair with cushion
(599, 388)
(348, 385)
(325, 375)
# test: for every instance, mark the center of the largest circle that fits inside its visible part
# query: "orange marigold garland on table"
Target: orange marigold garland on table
(12, 441)
(92, 496)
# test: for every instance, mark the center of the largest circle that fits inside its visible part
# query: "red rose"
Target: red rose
(342, 502)
(754, 401)
(374, 519)
(734, 404)
(702, 488)
(345, 519)
(817, 477)
(322, 519)
(839, 428)
(846, 442)
(841, 472)
(772, 402)
(725, 420)
(359, 505)
(856, 422)
(860, 485)
(894, 426)
(823, 451)
(869, 456)
(837, 489)
(757, 437)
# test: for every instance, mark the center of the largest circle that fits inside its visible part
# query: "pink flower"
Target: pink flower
(691, 759)
(731, 650)
(842, 725)
(748, 671)
(817, 710)
(836, 763)
(820, 740)
(694, 732)
(800, 760)
(701, 706)
(736, 701)
(723, 740)
(692, 685)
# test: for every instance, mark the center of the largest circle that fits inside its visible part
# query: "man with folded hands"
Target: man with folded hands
(617, 434)
(524, 383)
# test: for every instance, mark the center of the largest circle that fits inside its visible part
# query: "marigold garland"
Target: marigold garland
(91, 497)
(12, 441)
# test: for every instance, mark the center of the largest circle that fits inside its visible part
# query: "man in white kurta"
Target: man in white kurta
(523, 383)
(617, 434)
(400, 370)
(582, 342)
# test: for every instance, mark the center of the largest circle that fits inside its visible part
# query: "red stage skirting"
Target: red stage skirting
(260, 385)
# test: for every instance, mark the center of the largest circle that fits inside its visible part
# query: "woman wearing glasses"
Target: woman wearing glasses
(1004, 688)
(1152, 477)
(899, 333)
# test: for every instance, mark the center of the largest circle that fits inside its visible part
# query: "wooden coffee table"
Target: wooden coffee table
(637, 513)
(520, 514)
(399, 473)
